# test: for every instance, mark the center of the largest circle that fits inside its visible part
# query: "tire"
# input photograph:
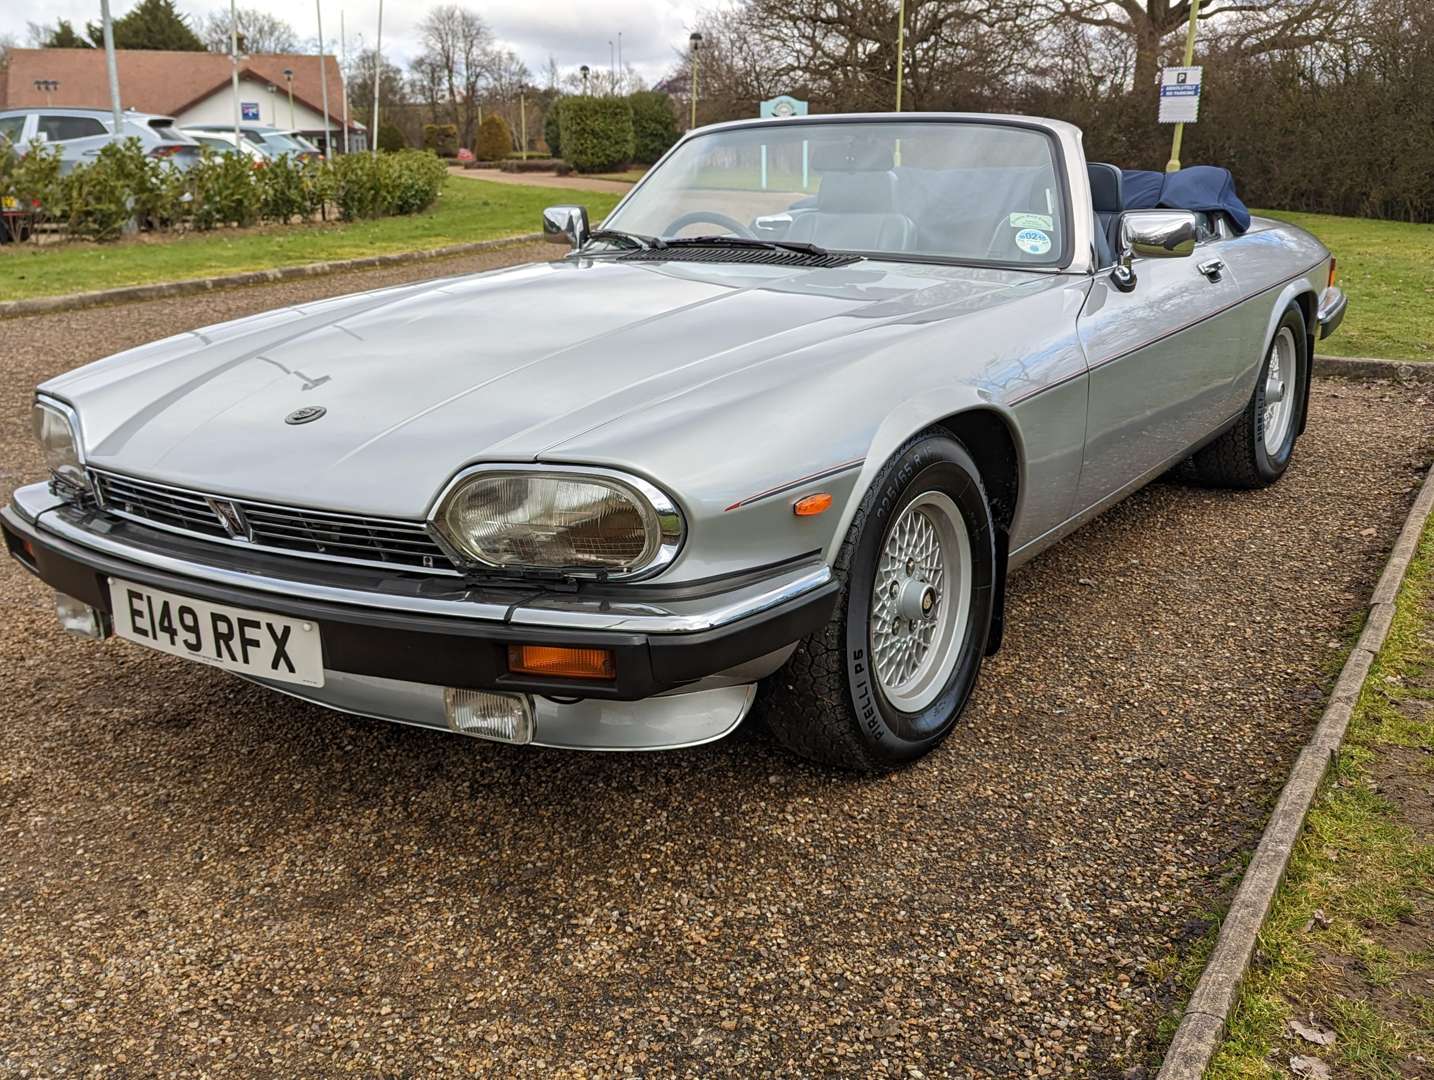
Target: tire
(863, 693)
(1244, 457)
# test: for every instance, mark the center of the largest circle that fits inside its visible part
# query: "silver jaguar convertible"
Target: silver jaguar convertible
(779, 429)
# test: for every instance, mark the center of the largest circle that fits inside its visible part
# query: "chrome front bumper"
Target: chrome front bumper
(686, 658)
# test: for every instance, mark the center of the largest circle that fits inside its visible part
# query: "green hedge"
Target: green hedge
(654, 124)
(495, 139)
(596, 132)
(442, 139)
(124, 188)
(551, 133)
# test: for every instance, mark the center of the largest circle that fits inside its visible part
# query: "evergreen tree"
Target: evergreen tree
(62, 36)
(151, 24)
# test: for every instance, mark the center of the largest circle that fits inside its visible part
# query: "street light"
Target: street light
(584, 70)
(289, 78)
(694, 44)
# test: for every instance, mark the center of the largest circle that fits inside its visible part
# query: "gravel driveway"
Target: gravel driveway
(199, 877)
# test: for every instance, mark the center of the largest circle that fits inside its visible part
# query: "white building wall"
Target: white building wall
(218, 108)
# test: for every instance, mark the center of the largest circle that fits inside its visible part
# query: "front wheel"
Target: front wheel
(1256, 451)
(888, 676)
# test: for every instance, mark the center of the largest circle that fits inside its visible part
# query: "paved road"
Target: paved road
(197, 876)
(572, 183)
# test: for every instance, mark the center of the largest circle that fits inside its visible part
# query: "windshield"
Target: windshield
(278, 141)
(966, 191)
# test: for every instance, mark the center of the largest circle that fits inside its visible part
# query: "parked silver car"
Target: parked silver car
(81, 133)
(274, 142)
(782, 426)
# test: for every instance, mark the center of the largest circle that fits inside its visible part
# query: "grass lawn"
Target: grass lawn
(1348, 948)
(466, 210)
(1387, 270)
(627, 176)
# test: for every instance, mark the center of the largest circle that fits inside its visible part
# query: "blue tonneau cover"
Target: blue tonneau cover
(1205, 188)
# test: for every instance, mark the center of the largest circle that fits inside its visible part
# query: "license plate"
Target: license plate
(235, 639)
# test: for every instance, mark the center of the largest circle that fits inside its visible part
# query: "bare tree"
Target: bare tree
(1249, 27)
(459, 46)
(259, 32)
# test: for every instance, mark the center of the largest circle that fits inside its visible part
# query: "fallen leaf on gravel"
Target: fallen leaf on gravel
(1310, 1067)
(1317, 918)
(1368, 532)
(1313, 1032)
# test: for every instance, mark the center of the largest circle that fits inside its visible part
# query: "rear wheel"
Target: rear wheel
(1256, 451)
(886, 679)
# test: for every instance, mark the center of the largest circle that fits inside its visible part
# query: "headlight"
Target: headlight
(60, 445)
(557, 520)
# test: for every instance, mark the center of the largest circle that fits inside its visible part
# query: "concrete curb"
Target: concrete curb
(44, 305)
(1368, 367)
(1203, 1025)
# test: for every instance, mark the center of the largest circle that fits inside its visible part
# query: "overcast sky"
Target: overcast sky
(574, 31)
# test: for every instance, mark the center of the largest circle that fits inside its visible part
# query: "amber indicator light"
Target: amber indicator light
(811, 505)
(1333, 271)
(561, 662)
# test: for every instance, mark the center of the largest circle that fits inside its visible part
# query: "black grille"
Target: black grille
(312, 533)
(717, 253)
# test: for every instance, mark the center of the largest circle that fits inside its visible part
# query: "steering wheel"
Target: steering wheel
(711, 217)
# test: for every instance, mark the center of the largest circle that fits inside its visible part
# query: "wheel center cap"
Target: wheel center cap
(917, 600)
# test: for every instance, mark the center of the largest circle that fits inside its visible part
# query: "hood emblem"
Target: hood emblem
(307, 415)
(232, 518)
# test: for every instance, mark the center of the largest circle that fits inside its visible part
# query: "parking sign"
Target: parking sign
(1179, 95)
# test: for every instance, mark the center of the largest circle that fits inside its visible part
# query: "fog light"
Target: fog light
(561, 662)
(80, 618)
(501, 717)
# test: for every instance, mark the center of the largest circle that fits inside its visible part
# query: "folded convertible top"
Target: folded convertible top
(1205, 188)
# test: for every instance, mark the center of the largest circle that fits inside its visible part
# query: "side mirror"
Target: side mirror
(566, 225)
(1152, 234)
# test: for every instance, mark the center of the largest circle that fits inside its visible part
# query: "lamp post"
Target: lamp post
(289, 78)
(584, 70)
(900, 51)
(111, 65)
(323, 77)
(377, 67)
(234, 69)
(694, 43)
(1173, 165)
(344, 75)
(611, 67)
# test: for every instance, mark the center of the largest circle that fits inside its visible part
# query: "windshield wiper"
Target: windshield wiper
(729, 240)
(636, 241)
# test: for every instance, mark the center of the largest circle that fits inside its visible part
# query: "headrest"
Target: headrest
(851, 155)
(857, 193)
(1106, 195)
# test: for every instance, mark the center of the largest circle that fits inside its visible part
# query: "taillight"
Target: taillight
(165, 151)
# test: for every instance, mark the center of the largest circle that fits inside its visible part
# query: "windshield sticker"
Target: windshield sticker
(1032, 221)
(1033, 241)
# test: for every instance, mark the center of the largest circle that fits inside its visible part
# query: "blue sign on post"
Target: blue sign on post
(249, 110)
(779, 108)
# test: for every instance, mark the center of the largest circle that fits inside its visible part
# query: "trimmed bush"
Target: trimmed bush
(551, 135)
(495, 139)
(390, 137)
(123, 188)
(596, 132)
(442, 139)
(32, 179)
(654, 126)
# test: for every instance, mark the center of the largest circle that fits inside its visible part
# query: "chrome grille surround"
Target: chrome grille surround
(284, 530)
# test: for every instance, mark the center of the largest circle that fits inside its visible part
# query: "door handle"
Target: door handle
(1212, 268)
